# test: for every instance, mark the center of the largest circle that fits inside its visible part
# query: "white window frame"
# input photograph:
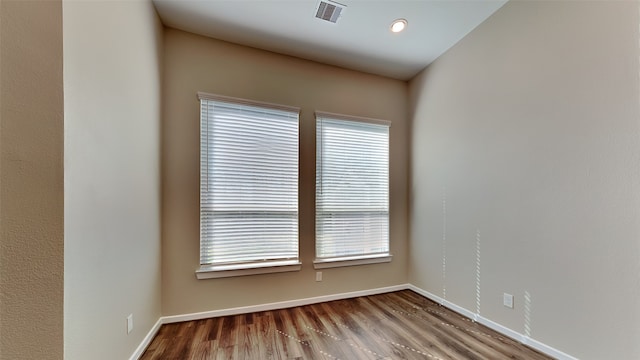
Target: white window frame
(348, 260)
(221, 269)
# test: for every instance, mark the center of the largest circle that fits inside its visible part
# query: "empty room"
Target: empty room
(280, 179)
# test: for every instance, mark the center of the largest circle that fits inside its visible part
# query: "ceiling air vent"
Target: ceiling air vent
(329, 11)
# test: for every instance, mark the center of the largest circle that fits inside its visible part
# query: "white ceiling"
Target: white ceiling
(360, 40)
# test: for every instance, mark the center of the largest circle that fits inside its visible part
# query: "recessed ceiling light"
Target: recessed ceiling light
(398, 25)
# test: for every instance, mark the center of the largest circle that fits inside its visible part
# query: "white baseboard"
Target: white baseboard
(280, 304)
(546, 349)
(318, 299)
(147, 340)
(255, 308)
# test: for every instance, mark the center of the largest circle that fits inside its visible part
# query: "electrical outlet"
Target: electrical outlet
(129, 323)
(507, 300)
(318, 275)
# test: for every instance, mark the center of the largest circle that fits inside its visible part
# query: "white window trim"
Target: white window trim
(249, 268)
(327, 263)
(351, 261)
(232, 270)
(215, 97)
(352, 118)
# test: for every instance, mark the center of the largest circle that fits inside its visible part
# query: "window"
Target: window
(248, 187)
(352, 190)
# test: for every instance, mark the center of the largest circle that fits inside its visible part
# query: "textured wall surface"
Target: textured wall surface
(31, 180)
(525, 154)
(112, 53)
(194, 63)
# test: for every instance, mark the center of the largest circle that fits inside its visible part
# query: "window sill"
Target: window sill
(223, 271)
(351, 261)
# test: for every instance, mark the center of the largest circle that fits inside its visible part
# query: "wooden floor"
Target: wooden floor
(398, 325)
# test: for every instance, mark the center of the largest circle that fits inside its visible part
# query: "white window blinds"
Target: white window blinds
(248, 182)
(352, 187)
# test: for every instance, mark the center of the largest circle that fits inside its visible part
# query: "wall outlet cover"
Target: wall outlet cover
(129, 323)
(507, 300)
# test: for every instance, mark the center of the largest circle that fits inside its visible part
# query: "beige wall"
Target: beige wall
(112, 53)
(31, 179)
(193, 63)
(529, 128)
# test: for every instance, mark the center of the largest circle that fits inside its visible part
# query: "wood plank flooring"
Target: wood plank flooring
(397, 325)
